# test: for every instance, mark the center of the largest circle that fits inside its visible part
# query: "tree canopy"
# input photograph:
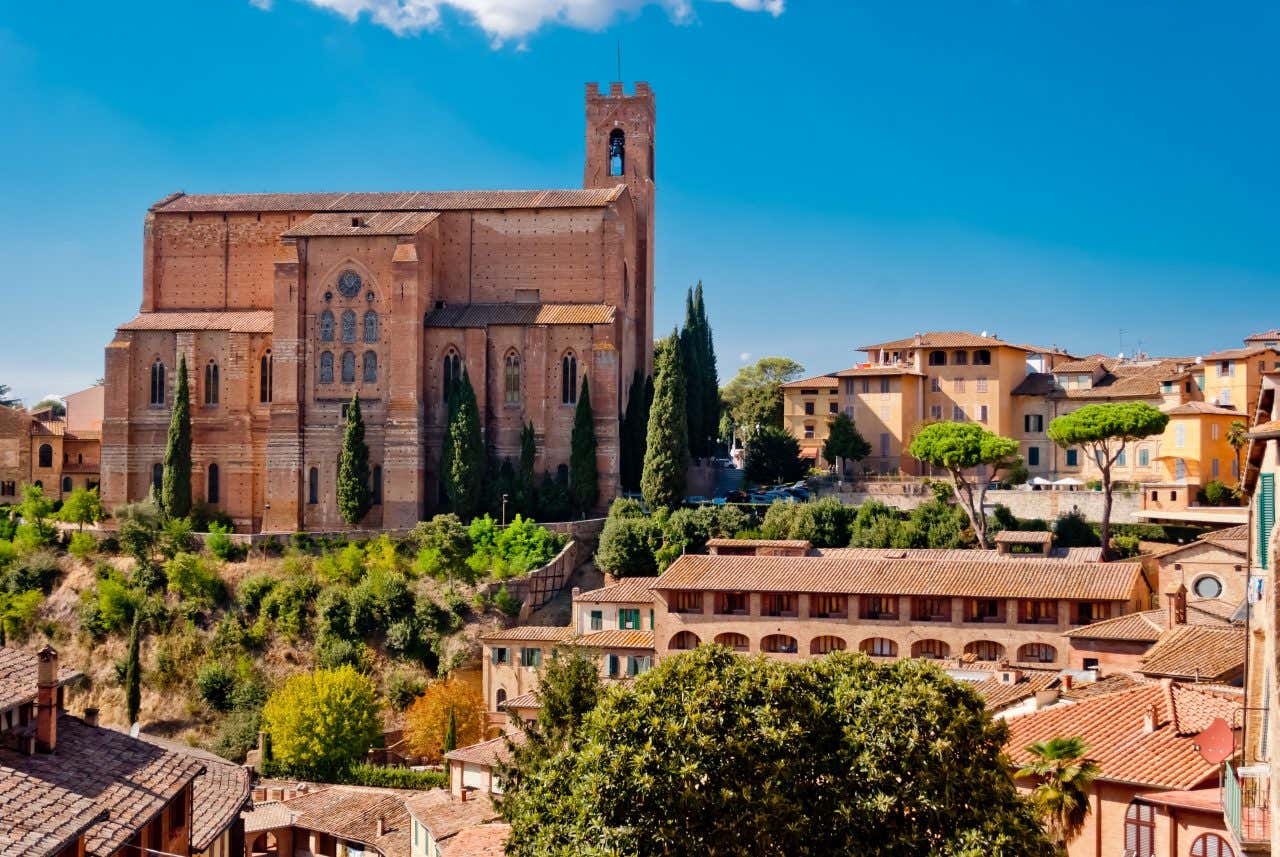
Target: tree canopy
(773, 455)
(584, 477)
(321, 723)
(175, 490)
(462, 460)
(82, 506)
(844, 442)
(972, 457)
(354, 497)
(754, 396)
(1064, 783)
(717, 754)
(666, 460)
(1102, 430)
(427, 722)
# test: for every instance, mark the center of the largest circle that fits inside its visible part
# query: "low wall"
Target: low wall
(1047, 505)
(542, 584)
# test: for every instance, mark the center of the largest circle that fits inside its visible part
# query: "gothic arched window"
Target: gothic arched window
(266, 372)
(511, 378)
(617, 152)
(348, 367)
(46, 455)
(569, 379)
(370, 367)
(157, 476)
(452, 371)
(326, 367)
(313, 486)
(211, 487)
(370, 326)
(326, 326)
(157, 384)
(211, 383)
(348, 326)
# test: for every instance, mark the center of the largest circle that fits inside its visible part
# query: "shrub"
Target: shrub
(216, 684)
(779, 520)
(731, 519)
(624, 507)
(32, 571)
(506, 602)
(30, 538)
(219, 542)
(1124, 547)
(252, 590)
(403, 688)
(344, 566)
(825, 523)
(237, 734)
(82, 545)
(443, 547)
(322, 723)
(195, 580)
(524, 545)
(176, 537)
(8, 554)
(377, 776)
(289, 604)
(333, 652)
(1073, 531)
(18, 612)
(1215, 493)
(628, 547)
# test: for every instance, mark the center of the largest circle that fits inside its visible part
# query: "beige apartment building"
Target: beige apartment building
(807, 408)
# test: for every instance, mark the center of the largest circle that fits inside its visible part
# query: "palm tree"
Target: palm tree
(1236, 436)
(1065, 780)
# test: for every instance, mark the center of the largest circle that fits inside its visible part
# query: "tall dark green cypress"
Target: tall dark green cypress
(690, 357)
(525, 486)
(462, 461)
(175, 490)
(133, 670)
(633, 435)
(354, 496)
(584, 478)
(710, 375)
(666, 460)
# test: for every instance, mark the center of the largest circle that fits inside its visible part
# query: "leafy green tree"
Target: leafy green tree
(629, 545)
(717, 754)
(691, 360)
(666, 461)
(462, 459)
(175, 486)
(773, 455)
(569, 688)
(1238, 437)
(1102, 431)
(1073, 531)
(844, 442)
(82, 506)
(443, 547)
(1064, 783)
(56, 406)
(321, 723)
(584, 478)
(972, 457)
(18, 612)
(354, 496)
(754, 396)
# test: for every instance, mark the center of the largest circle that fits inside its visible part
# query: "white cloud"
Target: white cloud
(505, 20)
(264, 5)
(744, 356)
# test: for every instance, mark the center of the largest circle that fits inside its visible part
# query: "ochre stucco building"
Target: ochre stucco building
(284, 305)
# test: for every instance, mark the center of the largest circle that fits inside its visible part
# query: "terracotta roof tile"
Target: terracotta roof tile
(896, 369)
(944, 339)
(999, 695)
(1265, 431)
(532, 633)
(1147, 626)
(1112, 728)
(94, 770)
(1197, 652)
(267, 815)
(955, 554)
(487, 315)
(1113, 683)
(1202, 800)
(218, 794)
(1264, 336)
(235, 321)
(56, 427)
(456, 200)
(488, 753)
(1239, 353)
(1128, 381)
(362, 223)
(1082, 365)
(630, 590)
(445, 816)
(352, 812)
(1035, 384)
(1189, 408)
(827, 380)
(18, 670)
(1034, 577)
(1238, 533)
(615, 639)
(789, 544)
(1024, 537)
(525, 700)
(485, 840)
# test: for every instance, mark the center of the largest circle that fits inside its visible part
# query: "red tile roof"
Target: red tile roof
(445, 815)
(525, 700)
(352, 812)
(1189, 408)
(1147, 626)
(18, 671)
(615, 639)
(790, 544)
(1264, 336)
(1023, 577)
(1112, 729)
(488, 753)
(630, 590)
(218, 794)
(485, 840)
(1024, 537)
(895, 369)
(94, 771)
(531, 633)
(1084, 365)
(235, 321)
(999, 695)
(459, 200)
(1199, 800)
(516, 314)
(944, 339)
(334, 225)
(955, 554)
(1240, 353)
(1198, 653)
(1129, 381)
(827, 380)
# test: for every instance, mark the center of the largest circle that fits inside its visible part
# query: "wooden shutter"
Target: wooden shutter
(1266, 516)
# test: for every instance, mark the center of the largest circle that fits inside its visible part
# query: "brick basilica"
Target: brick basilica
(284, 305)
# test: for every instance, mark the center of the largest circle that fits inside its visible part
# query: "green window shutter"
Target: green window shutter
(650, 620)
(1266, 516)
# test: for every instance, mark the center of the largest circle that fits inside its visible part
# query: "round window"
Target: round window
(349, 284)
(1208, 587)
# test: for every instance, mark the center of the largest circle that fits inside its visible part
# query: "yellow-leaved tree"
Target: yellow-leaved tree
(448, 714)
(321, 723)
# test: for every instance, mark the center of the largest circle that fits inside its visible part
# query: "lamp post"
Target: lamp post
(504, 510)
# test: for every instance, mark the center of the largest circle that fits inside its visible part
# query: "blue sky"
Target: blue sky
(835, 172)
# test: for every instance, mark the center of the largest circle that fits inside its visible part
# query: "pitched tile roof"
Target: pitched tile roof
(56, 427)
(1107, 684)
(352, 812)
(1024, 537)
(512, 314)
(999, 695)
(488, 753)
(1128, 381)
(1083, 365)
(525, 700)
(1034, 577)
(628, 590)
(1201, 800)
(1189, 408)
(1265, 431)
(944, 339)
(531, 633)
(1111, 726)
(615, 639)
(485, 840)
(1197, 652)
(445, 815)
(1264, 336)
(1146, 626)
(956, 554)
(235, 321)
(827, 380)
(1035, 384)
(94, 770)
(456, 200)
(361, 223)
(895, 369)
(218, 795)
(790, 544)
(18, 672)
(267, 815)
(1240, 353)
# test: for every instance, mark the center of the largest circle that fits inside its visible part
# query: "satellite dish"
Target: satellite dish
(1216, 743)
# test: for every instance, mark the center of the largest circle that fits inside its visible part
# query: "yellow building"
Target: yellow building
(807, 407)
(1193, 451)
(1233, 378)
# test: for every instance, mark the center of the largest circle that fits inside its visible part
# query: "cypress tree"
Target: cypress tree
(133, 671)
(666, 459)
(710, 375)
(462, 460)
(354, 497)
(175, 490)
(584, 479)
(691, 341)
(527, 502)
(633, 435)
(451, 732)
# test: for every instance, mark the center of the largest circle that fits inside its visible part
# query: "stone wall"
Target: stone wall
(1024, 504)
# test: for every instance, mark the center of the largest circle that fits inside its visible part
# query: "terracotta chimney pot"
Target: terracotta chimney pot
(47, 700)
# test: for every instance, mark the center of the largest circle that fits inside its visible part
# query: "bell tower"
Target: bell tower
(620, 150)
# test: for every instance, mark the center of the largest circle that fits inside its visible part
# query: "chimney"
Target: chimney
(380, 826)
(1068, 680)
(462, 795)
(577, 593)
(1149, 719)
(1177, 606)
(47, 700)
(91, 716)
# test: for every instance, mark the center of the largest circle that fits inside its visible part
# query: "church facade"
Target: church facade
(285, 305)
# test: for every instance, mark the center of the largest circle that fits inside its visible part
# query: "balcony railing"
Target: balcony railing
(1246, 802)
